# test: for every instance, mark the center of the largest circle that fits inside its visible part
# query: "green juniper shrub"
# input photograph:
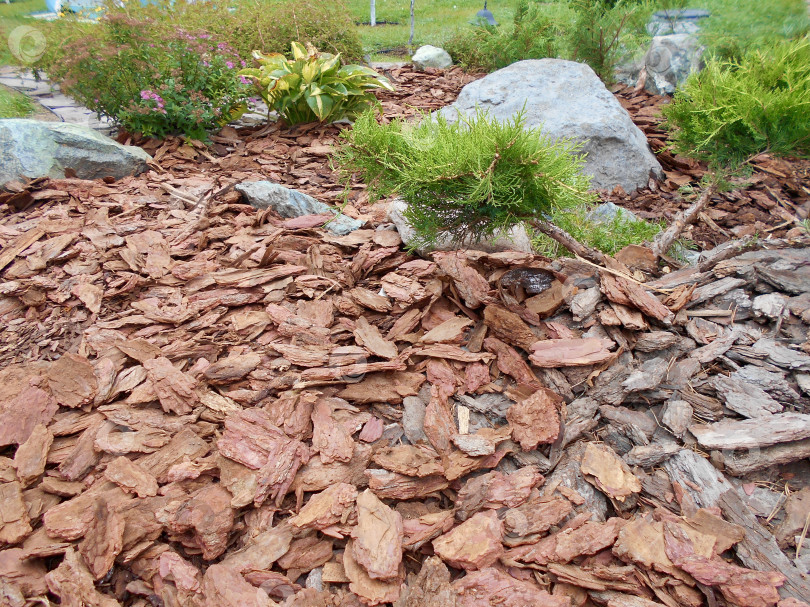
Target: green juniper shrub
(471, 178)
(733, 110)
(314, 86)
(184, 83)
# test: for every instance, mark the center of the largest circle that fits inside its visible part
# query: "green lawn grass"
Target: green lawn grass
(13, 104)
(435, 21)
(12, 15)
(733, 23)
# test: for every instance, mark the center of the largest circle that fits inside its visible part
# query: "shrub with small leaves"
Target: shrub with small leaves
(186, 83)
(313, 86)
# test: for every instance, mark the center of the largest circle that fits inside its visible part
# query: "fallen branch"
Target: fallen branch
(665, 239)
(569, 242)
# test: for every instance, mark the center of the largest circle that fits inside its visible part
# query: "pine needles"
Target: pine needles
(472, 178)
(736, 109)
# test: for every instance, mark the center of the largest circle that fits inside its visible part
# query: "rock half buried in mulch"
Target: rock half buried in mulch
(31, 149)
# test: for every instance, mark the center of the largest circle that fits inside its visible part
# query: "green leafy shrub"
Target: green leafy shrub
(313, 86)
(533, 35)
(733, 110)
(181, 83)
(472, 178)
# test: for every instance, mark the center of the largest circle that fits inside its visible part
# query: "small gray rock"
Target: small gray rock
(606, 212)
(292, 203)
(670, 60)
(517, 239)
(771, 306)
(33, 148)
(431, 56)
(413, 419)
(315, 579)
(677, 416)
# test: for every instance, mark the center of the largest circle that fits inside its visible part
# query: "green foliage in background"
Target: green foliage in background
(534, 34)
(244, 25)
(596, 32)
(601, 33)
(266, 25)
(733, 110)
(737, 26)
(471, 178)
(314, 86)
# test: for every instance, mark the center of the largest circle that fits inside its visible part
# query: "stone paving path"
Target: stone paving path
(68, 109)
(49, 95)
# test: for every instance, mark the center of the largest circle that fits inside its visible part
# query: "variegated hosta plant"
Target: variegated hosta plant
(313, 86)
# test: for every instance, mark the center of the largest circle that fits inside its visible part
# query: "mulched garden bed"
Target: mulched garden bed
(203, 404)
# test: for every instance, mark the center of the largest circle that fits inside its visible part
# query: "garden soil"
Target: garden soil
(204, 404)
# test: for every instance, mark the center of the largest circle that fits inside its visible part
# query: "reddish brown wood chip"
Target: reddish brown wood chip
(377, 537)
(104, 539)
(492, 586)
(571, 352)
(369, 336)
(174, 389)
(371, 592)
(535, 420)
(72, 380)
(738, 585)
(251, 439)
(474, 544)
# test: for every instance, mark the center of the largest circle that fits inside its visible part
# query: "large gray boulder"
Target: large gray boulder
(292, 203)
(670, 60)
(517, 239)
(32, 148)
(567, 99)
(431, 56)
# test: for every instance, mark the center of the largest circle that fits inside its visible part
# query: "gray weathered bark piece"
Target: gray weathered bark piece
(702, 481)
(753, 433)
(651, 455)
(746, 399)
(759, 550)
(782, 356)
(744, 462)
(648, 376)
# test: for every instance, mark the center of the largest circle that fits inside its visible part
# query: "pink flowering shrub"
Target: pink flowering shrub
(186, 83)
